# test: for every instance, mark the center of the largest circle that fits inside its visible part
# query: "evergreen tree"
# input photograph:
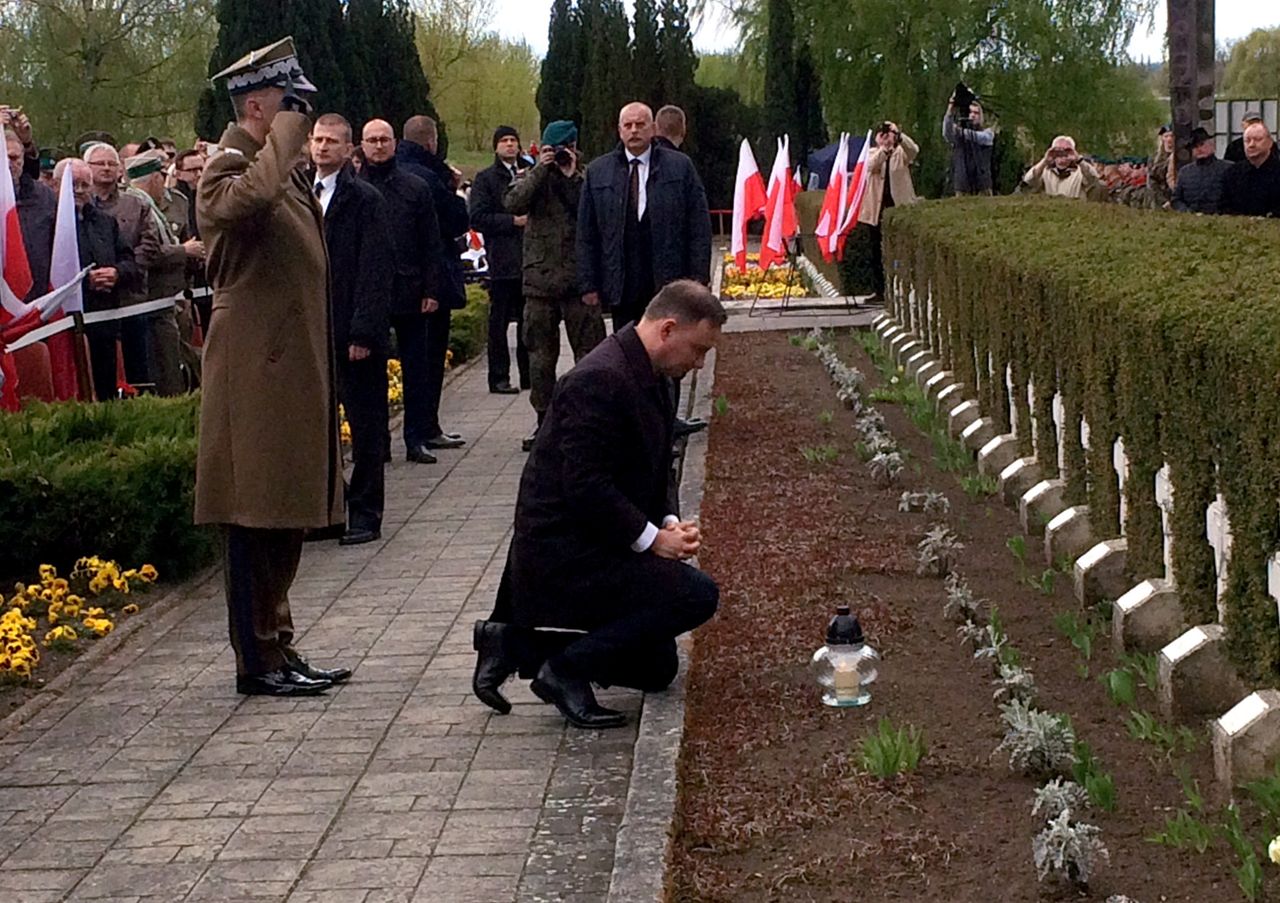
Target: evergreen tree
(781, 94)
(243, 25)
(646, 55)
(811, 127)
(560, 88)
(679, 62)
(605, 82)
(386, 80)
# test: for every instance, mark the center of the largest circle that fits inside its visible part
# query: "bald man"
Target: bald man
(1252, 186)
(642, 221)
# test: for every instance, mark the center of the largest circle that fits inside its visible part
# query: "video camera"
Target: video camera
(963, 99)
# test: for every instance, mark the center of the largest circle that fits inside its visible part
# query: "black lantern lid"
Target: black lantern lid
(844, 629)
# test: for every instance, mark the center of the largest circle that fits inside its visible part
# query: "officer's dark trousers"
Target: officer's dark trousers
(437, 345)
(411, 344)
(506, 305)
(259, 568)
(362, 388)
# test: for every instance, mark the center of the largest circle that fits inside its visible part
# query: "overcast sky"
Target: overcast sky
(527, 20)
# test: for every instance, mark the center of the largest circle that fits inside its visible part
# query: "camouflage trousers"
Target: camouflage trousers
(542, 319)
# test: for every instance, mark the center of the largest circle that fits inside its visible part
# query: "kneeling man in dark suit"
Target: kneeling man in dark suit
(597, 547)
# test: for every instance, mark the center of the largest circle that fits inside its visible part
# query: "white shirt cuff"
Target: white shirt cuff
(645, 539)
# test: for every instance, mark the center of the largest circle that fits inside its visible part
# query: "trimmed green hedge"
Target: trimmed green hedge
(469, 327)
(1158, 327)
(115, 480)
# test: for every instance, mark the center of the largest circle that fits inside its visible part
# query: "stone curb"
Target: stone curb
(161, 615)
(644, 838)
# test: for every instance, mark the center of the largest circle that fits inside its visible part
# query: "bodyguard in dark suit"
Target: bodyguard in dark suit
(642, 221)
(597, 546)
(361, 268)
(504, 246)
(415, 240)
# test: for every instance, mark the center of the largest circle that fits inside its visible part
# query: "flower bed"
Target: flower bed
(775, 282)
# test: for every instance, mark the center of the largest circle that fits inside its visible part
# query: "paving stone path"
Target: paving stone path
(152, 780)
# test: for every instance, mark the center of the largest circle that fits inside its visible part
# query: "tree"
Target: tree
(560, 88)
(605, 79)
(780, 113)
(318, 30)
(810, 124)
(679, 62)
(493, 86)
(1253, 68)
(131, 67)
(646, 55)
(386, 79)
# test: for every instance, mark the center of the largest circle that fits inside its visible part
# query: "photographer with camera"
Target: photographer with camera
(1062, 172)
(970, 142)
(888, 185)
(547, 198)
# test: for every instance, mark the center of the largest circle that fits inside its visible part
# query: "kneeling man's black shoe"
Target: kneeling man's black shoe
(492, 667)
(281, 682)
(575, 700)
(685, 428)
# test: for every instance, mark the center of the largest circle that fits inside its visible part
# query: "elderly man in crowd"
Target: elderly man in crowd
(1252, 186)
(132, 211)
(1062, 172)
(1199, 188)
(1235, 150)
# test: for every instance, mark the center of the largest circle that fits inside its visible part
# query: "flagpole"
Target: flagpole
(80, 349)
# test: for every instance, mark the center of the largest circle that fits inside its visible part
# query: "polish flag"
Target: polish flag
(834, 202)
(780, 211)
(748, 201)
(16, 316)
(857, 189)
(65, 274)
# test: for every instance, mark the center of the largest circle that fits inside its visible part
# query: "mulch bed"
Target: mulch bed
(773, 805)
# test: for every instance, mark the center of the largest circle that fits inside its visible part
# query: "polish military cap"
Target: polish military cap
(144, 164)
(273, 66)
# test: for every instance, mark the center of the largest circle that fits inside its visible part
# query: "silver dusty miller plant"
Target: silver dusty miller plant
(936, 553)
(885, 467)
(870, 423)
(960, 604)
(1058, 796)
(930, 502)
(1038, 743)
(971, 632)
(880, 443)
(1014, 682)
(1071, 850)
(992, 644)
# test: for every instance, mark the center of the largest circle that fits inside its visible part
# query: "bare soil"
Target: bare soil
(773, 805)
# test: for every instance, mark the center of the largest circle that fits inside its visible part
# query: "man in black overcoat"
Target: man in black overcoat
(361, 264)
(597, 547)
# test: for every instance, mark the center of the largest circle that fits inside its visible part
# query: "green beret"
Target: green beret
(559, 133)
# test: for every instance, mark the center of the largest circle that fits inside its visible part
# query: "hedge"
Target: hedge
(1160, 328)
(115, 480)
(469, 327)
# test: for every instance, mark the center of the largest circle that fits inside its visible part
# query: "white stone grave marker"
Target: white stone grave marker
(1218, 527)
(1164, 498)
(1120, 461)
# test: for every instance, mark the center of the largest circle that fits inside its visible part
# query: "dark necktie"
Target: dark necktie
(633, 192)
(319, 190)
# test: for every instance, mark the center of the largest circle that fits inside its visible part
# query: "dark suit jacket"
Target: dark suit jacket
(451, 211)
(503, 240)
(361, 264)
(37, 210)
(679, 224)
(415, 235)
(596, 476)
(1249, 190)
(102, 245)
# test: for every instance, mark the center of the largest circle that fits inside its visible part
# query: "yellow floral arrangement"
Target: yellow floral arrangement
(774, 282)
(63, 604)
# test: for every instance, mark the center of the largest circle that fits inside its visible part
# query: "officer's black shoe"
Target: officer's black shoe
(419, 454)
(574, 699)
(504, 389)
(299, 665)
(358, 536)
(492, 667)
(445, 440)
(282, 682)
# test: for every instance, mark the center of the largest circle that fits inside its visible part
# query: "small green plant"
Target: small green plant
(1064, 564)
(936, 553)
(979, 485)
(1145, 666)
(885, 467)
(1070, 850)
(1017, 544)
(1080, 632)
(1168, 740)
(1266, 793)
(1058, 796)
(1014, 682)
(950, 456)
(1248, 873)
(825, 418)
(820, 454)
(930, 502)
(892, 751)
(1038, 743)
(721, 406)
(1098, 784)
(1183, 831)
(1044, 583)
(961, 604)
(1122, 687)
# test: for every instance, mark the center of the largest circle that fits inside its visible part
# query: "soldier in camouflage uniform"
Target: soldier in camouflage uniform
(548, 195)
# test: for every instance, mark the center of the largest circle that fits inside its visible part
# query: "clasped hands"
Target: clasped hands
(678, 540)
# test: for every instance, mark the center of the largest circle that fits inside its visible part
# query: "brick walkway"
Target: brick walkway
(152, 780)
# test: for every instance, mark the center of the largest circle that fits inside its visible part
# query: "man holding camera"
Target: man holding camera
(1062, 172)
(269, 465)
(547, 196)
(971, 143)
(888, 185)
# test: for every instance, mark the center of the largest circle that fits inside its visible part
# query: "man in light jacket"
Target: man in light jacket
(888, 185)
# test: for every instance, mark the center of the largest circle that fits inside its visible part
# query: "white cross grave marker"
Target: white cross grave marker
(1164, 498)
(1218, 527)
(1120, 461)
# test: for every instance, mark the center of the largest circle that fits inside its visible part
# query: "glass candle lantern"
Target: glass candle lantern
(846, 664)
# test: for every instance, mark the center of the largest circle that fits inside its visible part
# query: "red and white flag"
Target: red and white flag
(834, 202)
(857, 189)
(780, 210)
(66, 274)
(748, 201)
(16, 316)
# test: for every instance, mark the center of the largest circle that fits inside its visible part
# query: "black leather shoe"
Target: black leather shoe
(504, 389)
(419, 454)
(526, 444)
(492, 667)
(357, 536)
(299, 665)
(575, 700)
(282, 682)
(688, 427)
(446, 440)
